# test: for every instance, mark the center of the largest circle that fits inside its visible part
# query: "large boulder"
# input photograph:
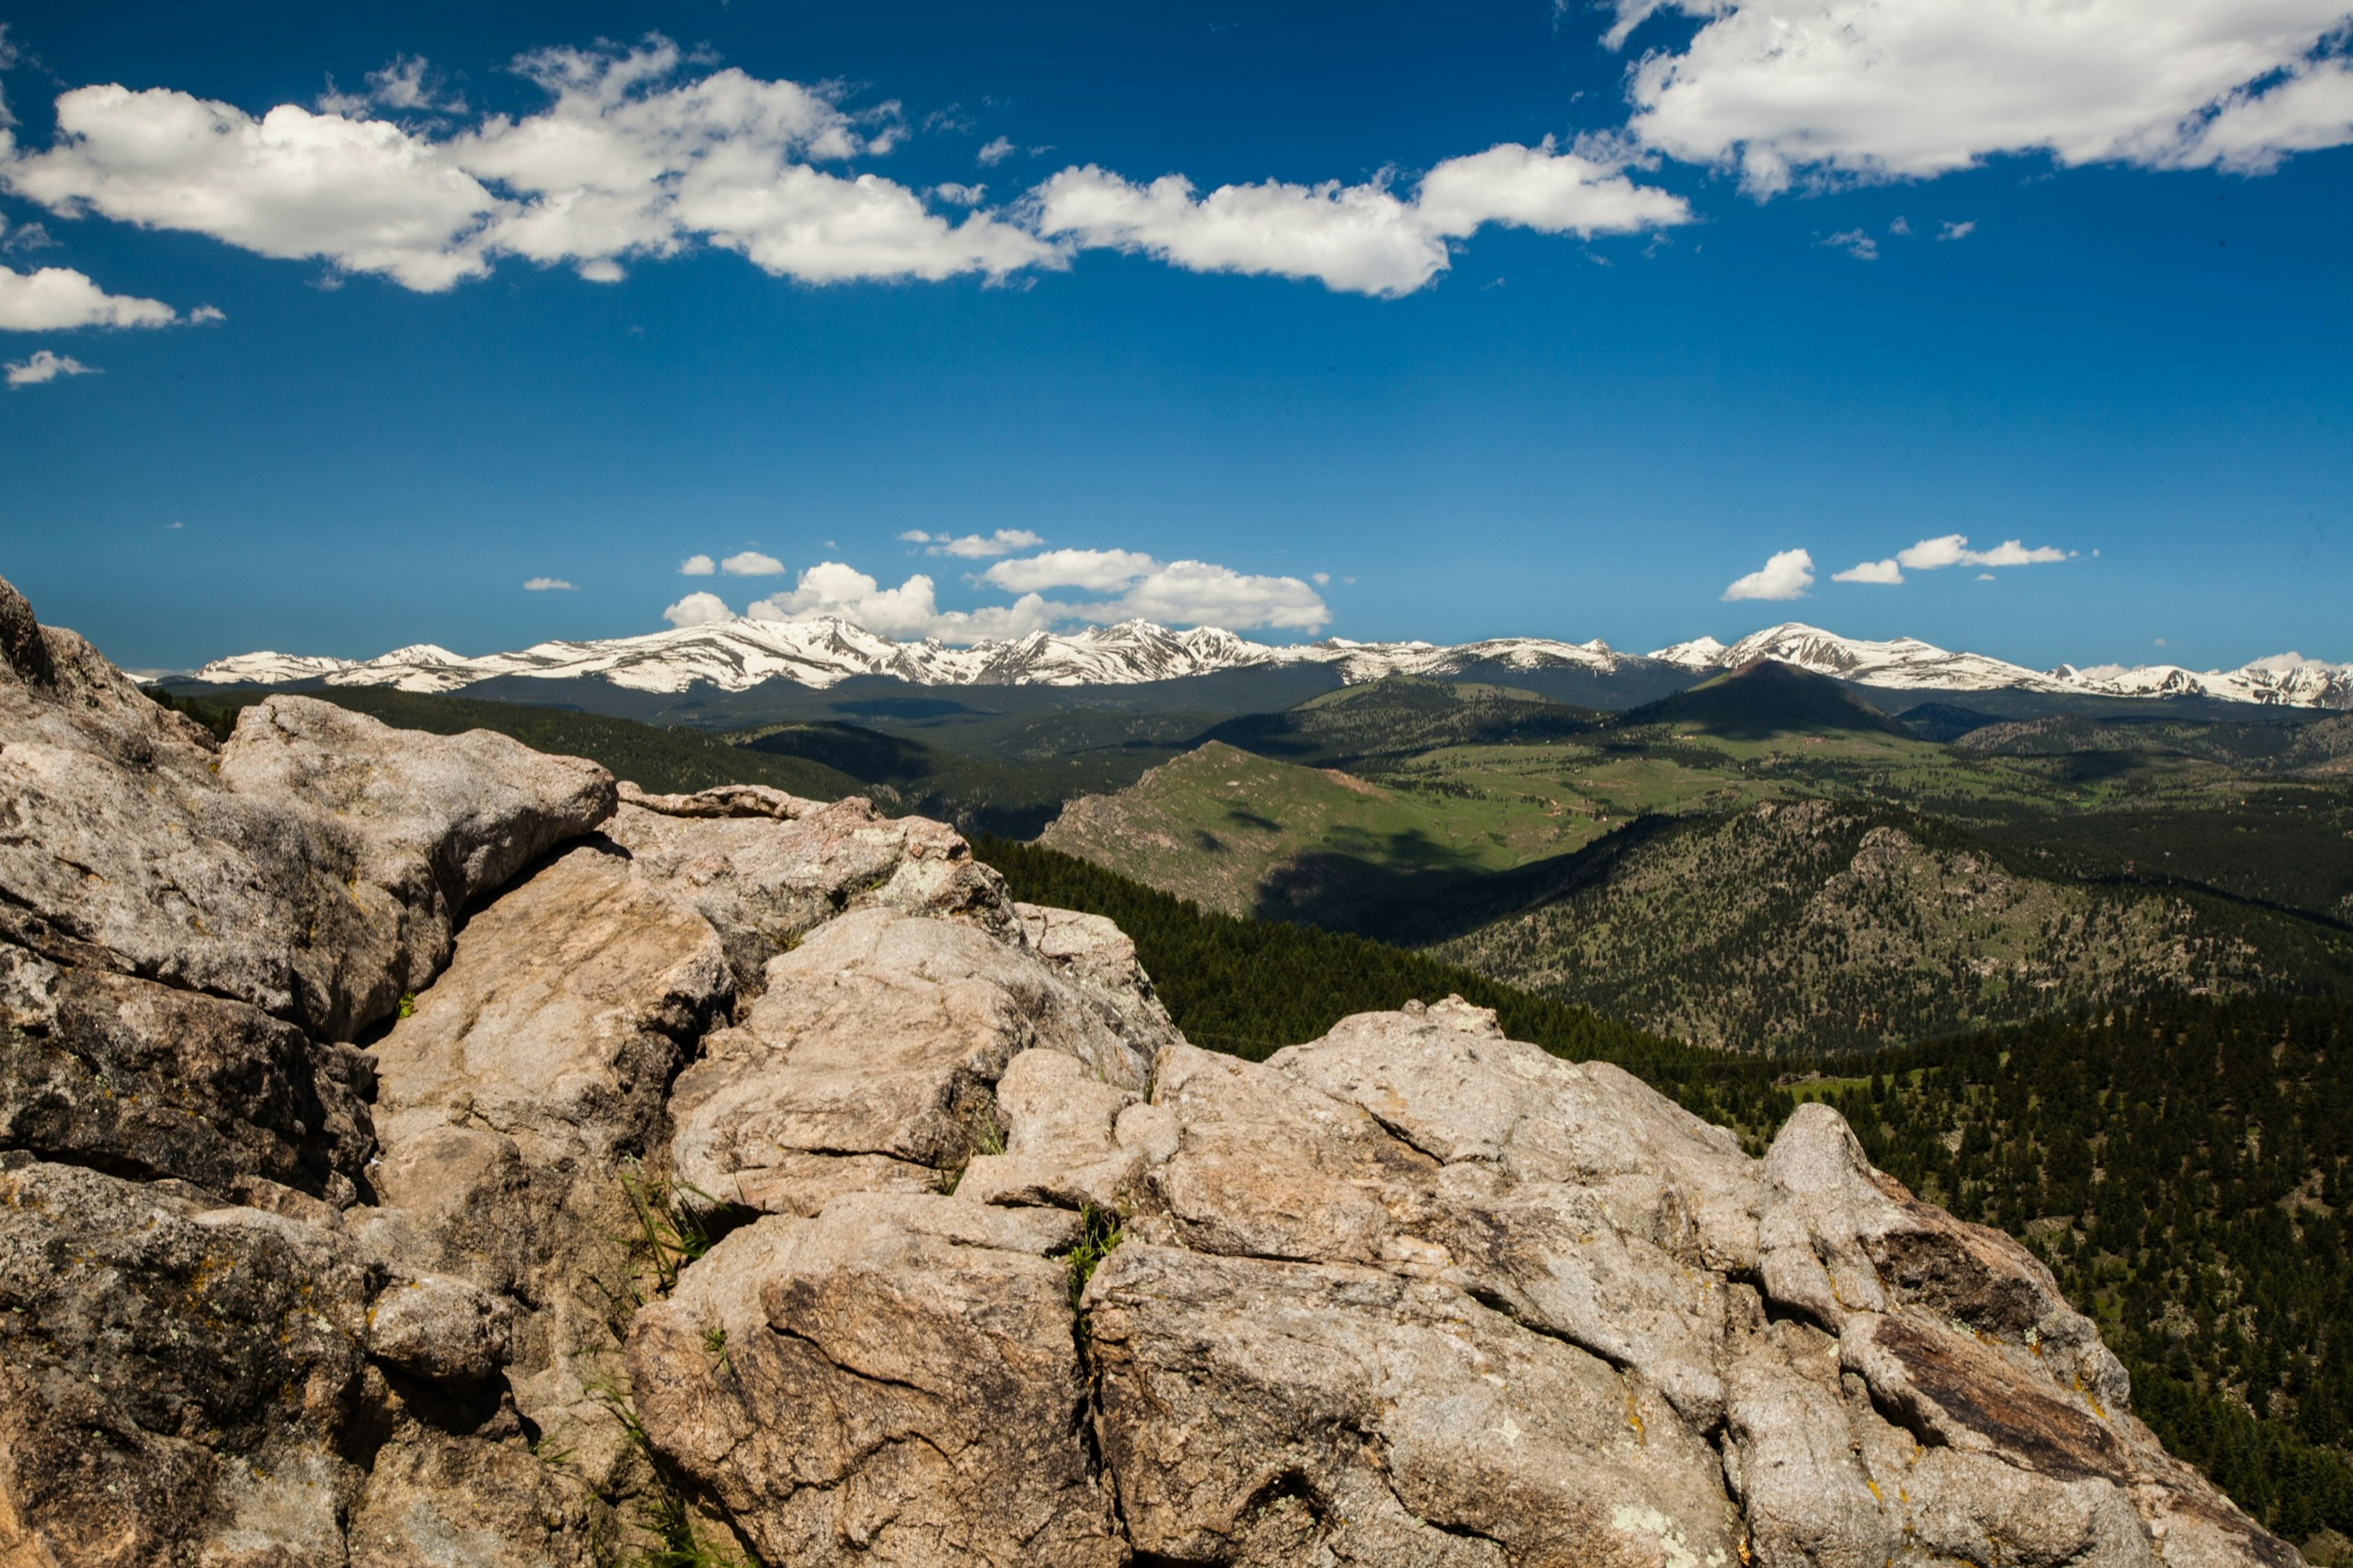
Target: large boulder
(894, 1381)
(312, 867)
(871, 1060)
(1413, 1293)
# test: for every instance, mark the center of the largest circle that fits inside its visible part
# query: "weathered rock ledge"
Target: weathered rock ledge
(367, 1100)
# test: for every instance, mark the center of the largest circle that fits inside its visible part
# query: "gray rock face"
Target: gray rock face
(175, 1373)
(1010, 1273)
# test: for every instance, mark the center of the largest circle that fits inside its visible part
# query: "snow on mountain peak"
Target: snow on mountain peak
(741, 653)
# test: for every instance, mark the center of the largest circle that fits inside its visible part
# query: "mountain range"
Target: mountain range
(739, 654)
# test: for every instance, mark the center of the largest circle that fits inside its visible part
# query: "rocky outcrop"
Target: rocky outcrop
(416, 1150)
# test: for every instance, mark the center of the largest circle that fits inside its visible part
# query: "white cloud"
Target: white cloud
(699, 610)
(1787, 574)
(978, 546)
(1097, 571)
(995, 152)
(1363, 239)
(205, 314)
(962, 195)
(1544, 189)
(363, 193)
(1179, 593)
(1197, 594)
(1913, 88)
(541, 585)
(1948, 550)
(750, 564)
(1901, 225)
(45, 366)
(1855, 243)
(696, 566)
(1961, 230)
(56, 299)
(908, 611)
(631, 158)
(2012, 553)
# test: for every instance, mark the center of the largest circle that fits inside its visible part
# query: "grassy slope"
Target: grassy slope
(661, 761)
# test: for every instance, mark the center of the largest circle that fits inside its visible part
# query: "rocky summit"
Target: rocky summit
(418, 1149)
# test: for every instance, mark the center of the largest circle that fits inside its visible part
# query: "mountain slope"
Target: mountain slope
(1760, 699)
(1819, 925)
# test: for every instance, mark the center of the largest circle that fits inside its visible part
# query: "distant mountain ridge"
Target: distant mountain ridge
(737, 654)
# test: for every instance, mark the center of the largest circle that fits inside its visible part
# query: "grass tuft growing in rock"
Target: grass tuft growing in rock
(1099, 1234)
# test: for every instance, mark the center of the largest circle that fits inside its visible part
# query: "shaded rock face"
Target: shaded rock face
(1005, 1272)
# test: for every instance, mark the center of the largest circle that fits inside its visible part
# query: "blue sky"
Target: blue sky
(1576, 387)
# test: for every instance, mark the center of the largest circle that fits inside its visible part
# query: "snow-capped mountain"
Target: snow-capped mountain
(735, 656)
(739, 654)
(1907, 663)
(2287, 679)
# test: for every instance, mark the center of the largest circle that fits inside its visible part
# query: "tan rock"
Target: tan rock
(765, 868)
(516, 1097)
(880, 1037)
(436, 821)
(1406, 1422)
(892, 1383)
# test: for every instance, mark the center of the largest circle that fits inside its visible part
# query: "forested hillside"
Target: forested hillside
(2183, 1166)
(1820, 925)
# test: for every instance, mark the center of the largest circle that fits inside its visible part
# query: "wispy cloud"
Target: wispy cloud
(1948, 549)
(975, 546)
(544, 584)
(45, 366)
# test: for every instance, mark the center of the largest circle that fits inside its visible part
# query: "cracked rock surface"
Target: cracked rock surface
(416, 1150)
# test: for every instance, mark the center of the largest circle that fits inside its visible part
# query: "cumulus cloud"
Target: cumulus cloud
(1786, 574)
(696, 566)
(45, 366)
(1198, 593)
(56, 299)
(632, 157)
(908, 611)
(1098, 571)
(975, 546)
(1361, 238)
(699, 610)
(1961, 230)
(1135, 585)
(1912, 89)
(544, 584)
(364, 193)
(1948, 549)
(749, 563)
(997, 149)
